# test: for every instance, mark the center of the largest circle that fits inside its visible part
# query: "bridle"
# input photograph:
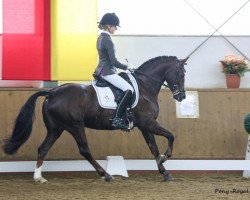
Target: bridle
(175, 88)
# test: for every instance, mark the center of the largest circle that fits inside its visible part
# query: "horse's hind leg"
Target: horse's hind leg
(79, 135)
(52, 136)
(54, 131)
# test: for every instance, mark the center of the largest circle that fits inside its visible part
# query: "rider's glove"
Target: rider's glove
(130, 66)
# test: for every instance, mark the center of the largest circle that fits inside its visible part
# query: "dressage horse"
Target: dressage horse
(72, 107)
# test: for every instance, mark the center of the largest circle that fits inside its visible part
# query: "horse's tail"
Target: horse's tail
(23, 125)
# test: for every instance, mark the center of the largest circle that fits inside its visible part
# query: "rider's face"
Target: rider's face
(112, 29)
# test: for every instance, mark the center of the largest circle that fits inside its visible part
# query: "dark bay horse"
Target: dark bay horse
(72, 107)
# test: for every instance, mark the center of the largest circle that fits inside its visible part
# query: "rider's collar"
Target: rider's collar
(106, 32)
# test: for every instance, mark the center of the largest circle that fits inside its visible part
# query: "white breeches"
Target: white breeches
(118, 82)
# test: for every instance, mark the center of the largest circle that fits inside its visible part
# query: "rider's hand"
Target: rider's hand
(130, 66)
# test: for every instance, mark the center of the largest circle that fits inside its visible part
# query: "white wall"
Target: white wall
(178, 17)
(203, 69)
(192, 18)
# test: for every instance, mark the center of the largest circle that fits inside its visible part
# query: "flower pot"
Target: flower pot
(233, 80)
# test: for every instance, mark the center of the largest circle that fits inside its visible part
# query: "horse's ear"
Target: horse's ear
(183, 61)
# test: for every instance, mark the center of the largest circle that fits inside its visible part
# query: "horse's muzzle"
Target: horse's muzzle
(179, 96)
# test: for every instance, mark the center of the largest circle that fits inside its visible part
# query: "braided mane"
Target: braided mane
(152, 60)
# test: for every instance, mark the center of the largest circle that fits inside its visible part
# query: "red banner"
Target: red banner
(26, 40)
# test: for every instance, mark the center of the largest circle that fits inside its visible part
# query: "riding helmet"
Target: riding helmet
(110, 19)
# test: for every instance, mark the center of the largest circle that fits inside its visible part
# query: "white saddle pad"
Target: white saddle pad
(106, 97)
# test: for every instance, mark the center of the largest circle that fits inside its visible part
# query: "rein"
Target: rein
(166, 85)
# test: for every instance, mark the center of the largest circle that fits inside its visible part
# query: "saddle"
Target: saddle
(109, 96)
(118, 94)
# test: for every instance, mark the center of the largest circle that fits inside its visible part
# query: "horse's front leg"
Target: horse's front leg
(158, 130)
(150, 140)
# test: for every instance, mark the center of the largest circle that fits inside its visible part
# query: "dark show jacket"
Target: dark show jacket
(107, 60)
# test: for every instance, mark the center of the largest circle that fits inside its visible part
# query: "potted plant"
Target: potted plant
(234, 67)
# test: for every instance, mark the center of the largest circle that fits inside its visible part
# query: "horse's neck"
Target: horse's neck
(152, 80)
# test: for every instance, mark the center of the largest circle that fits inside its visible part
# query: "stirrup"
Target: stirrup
(120, 123)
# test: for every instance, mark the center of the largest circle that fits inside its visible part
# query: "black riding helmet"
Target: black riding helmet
(109, 19)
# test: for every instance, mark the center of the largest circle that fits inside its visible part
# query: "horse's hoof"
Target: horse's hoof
(161, 159)
(40, 180)
(108, 178)
(168, 177)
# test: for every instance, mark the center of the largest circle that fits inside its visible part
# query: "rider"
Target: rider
(108, 64)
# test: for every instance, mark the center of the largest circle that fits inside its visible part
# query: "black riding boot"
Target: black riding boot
(117, 121)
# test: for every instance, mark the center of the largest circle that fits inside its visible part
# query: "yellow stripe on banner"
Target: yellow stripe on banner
(74, 34)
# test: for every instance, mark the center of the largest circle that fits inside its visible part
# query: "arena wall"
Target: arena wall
(204, 62)
(217, 133)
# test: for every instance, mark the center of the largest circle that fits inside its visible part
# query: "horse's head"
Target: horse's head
(164, 68)
(176, 79)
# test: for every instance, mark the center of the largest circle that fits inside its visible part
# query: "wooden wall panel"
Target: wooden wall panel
(218, 133)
